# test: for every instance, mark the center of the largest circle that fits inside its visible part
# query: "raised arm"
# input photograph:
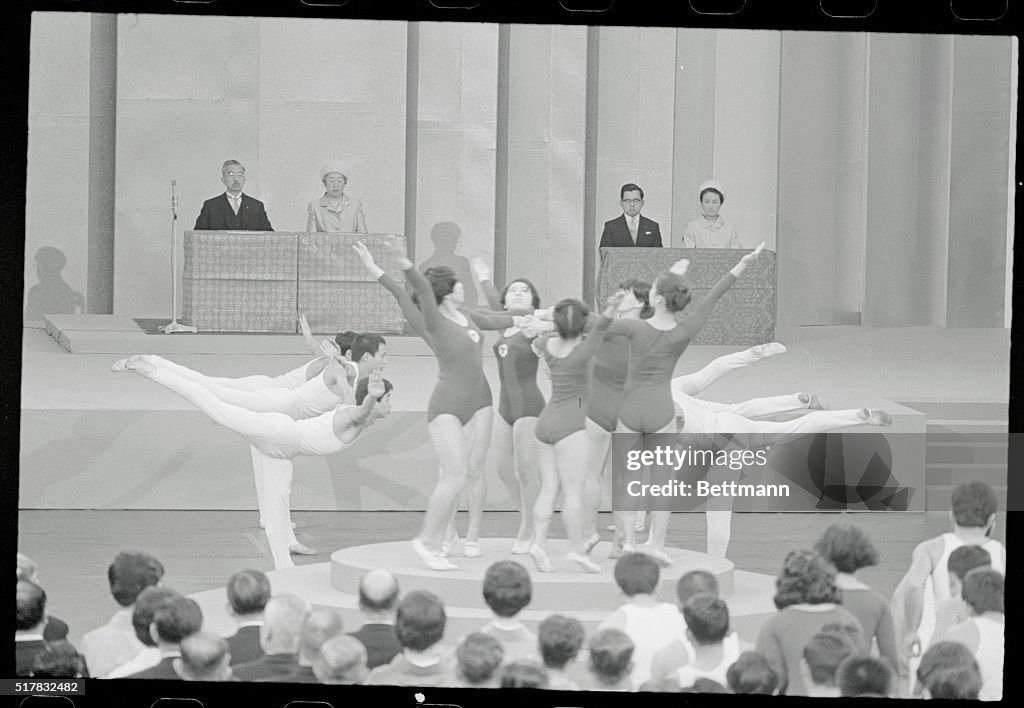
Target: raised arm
(482, 273)
(315, 348)
(411, 313)
(702, 310)
(491, 320)
(588, 347)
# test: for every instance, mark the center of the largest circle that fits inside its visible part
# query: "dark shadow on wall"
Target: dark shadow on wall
(445, 236)
(51, 295)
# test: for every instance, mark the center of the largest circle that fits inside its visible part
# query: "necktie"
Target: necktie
(234, 204)
(632, 229)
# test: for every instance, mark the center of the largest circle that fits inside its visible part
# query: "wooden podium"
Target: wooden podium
(256, 281)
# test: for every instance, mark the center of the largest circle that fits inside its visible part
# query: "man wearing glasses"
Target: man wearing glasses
(233, 211)
(631, 229)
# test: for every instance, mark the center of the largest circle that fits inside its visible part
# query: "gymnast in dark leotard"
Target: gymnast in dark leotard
(459, 411)
(561, 434)
(655, 346)
(513, 442)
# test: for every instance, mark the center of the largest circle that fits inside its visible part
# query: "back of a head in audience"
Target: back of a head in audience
(962, 560)
(705, 685)
(853, 633)
(611, 655)
(130, 574)
(420, 620)
(27, 569)
(148, 602)
(823, 655)
(695, 582)
(59, 660)
(248, 592)
(342, 660)
(321, 624)
(962, 683)
(507, 588)
(847, 547)
(176, 619)
(942, 656)
(707, 619)
(282, 624)
(523, 674)
(974, 505)
(479, 656)
(637, 574)
(560, 639)
(31, 606)
(864, 676)
(806, 578)
(204, 657)
(983, 591)
(378, 593)
(752, 674)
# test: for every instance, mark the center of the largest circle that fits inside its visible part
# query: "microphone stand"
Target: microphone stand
(175, 326)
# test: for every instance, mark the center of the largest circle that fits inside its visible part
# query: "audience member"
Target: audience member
(983, 633)
(560, 639)
(752, 674)
(232, 210)
(419, 624)
(864, 676)
(248, 595)
(478, 657)
(962, 683)
(822, 655)
(335, 211)
(705, 685)
(55, 628)
(146, 604)
(342, 661)
(59, 660)
(30, 623)
(114, 644)
(942, 656)
(378, 598)
(631, 229)
(173, 621)
(707, 624)
(321, 624)
(954, 610)
(807, 598)
(611, 662)
(204, 657)
(279, 639)
(507, 590)
(711, 230)
(523, 674)
(651, 624)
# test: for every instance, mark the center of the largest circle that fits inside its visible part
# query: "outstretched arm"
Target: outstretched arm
(482, 273)
(491, 320)
(702, 310)
(411, 313)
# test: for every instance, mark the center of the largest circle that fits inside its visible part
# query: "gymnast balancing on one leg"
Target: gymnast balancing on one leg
(459, 411)
(513, 430)
(277, 437)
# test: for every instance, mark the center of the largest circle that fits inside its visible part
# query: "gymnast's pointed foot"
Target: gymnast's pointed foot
(471, 549)
(540, 559)
(139, 363)
(451, 538)
(766, 351)
(583, 561)
(432, 559)
(656, 553)
(591, 542)
(812, 402)
(871, 416)
(298, 549)
(522, 546)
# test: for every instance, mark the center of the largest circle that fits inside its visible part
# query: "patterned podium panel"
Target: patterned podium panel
(745, 315)
(239, 281)
(335, 291)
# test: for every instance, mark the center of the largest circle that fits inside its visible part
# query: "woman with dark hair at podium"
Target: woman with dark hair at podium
(335, 211)
(711, 230)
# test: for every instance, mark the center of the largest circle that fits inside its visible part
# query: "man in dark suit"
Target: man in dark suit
(30, 625)
(233, 211)
(279, 637)
(56, 629)
(248, 594)
(631, 229)
(174, 621)
(378, 599)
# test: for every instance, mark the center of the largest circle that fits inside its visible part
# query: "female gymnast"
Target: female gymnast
(276, 437)
(513, 430)
(561, 434)
(459, 411)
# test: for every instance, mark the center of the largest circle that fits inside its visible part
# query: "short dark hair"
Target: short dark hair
(721, 197)
(611, 651)
(806, 578)
(629, 187)
(560, 639)
(707, 618)
(31, 604)
(363, 388)
(148, 602)
(177, 619)
(59, 660)
(533, 291)
(983, 590)
(248, 591)
(752, 673)
(420, 620)
(674, 289)
(366, 343)
(636, 574)
(442, 281)
(847, 547)
(853, 632)
(523, 674)
(863, 675)
(941, 656)
(695, 582)
(958, 683)
(705, 685)
(570, 318)
(131, 573)
(344, 340)
(963, 559)
(479, 655)
(507, 588)
(824, 652)
(973, 504)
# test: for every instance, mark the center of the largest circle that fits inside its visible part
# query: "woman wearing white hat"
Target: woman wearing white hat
(711, 230)
(335, 211)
